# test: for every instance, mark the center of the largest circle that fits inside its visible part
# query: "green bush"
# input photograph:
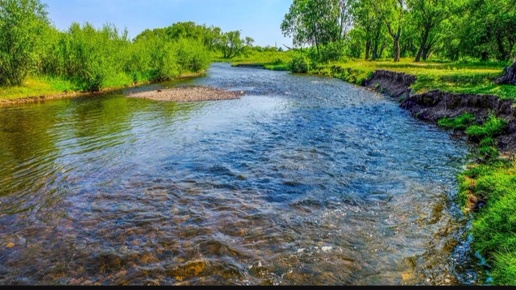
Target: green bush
(299, 64)
(22, 24)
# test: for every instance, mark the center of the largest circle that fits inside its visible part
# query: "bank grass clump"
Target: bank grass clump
(300, 64)
(37, 86)
(460, 123)
(492, 185)
(492, 127)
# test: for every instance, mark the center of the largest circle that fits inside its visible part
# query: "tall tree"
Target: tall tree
(427, 15)
(392, 14)
(365, 20)
(316, 22)
(22, 22)
(232, 45)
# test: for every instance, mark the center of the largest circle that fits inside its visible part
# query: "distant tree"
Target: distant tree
(232, 45)
(392, 14)
(317, 22)
(22, 22)
(427, 16)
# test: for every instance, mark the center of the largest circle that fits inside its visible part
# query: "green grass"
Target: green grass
(461, 122)
(37, 86)
(273, 60)
(490, 128)
(494, 226)
(453, 77)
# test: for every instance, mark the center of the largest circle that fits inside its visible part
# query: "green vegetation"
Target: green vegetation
(492, 127)
(37, 59)
(461, 122)
(487, 190)
(491, 185)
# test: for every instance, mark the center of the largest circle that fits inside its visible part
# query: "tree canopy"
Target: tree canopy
(446, 29)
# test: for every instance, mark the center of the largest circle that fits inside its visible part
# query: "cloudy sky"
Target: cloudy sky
(259, 19)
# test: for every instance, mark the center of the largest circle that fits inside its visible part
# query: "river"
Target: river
(304, 180)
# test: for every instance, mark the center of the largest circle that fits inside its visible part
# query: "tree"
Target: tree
(22, 22)
(316, 22)
(232, 45)
(369, 27)
(427, 15)
(391, 13)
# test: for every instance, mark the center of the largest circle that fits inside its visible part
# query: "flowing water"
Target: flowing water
(305, 180)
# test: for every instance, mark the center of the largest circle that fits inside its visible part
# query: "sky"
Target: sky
(258, 19)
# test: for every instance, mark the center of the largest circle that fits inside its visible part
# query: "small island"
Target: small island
(188, 94)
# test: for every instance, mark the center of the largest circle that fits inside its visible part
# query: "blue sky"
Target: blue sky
(259, 19)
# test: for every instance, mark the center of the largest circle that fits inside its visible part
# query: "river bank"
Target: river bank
(486, 187)
(435, 105)
(43, 97)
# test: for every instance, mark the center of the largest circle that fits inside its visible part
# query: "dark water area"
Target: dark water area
(303, 181)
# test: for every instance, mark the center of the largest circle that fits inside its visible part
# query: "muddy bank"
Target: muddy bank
(434, 105)
(187, 94)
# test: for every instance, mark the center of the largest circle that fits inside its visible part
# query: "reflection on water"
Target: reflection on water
(302, 181)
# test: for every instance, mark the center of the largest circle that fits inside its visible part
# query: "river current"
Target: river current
(304, 180)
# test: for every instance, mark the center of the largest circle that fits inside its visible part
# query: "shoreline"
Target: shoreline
(77, 94)
(434, 105)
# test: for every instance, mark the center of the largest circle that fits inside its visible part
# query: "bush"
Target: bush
(21, 25)
(300, 64)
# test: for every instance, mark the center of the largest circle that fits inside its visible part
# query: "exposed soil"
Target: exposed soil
(434, 105)
(188, 94)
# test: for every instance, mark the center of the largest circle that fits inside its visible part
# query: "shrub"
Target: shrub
(299, 64)
(21, 25)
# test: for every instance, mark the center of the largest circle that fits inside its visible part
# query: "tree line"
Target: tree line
(373, 29)
(93, 58)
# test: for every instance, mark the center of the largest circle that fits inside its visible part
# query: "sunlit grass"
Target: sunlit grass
(494, 226)
(34, 87)
(453, 77)
(461, 122)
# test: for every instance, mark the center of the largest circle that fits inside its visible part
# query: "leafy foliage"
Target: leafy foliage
(300, 64)
(22, 22)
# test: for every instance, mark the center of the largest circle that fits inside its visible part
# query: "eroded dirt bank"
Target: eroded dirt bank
(434, 105)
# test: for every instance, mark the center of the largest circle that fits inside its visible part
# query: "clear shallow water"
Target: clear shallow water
(302, 181)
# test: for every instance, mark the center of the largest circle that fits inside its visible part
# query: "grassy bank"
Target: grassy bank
(454, 77)
(46, 88)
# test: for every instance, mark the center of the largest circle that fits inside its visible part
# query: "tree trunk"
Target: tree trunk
(367, 49)
(422, 51)
(397, 49)
(509, 76)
